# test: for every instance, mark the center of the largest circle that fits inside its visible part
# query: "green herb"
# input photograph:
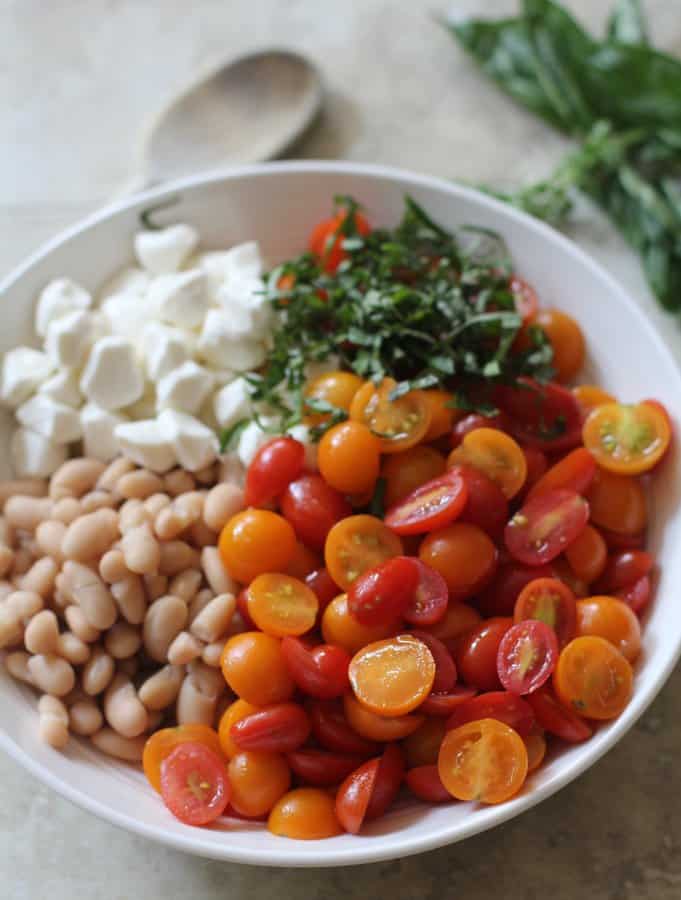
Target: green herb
(229, 436)
(621, 98)
(146, 214)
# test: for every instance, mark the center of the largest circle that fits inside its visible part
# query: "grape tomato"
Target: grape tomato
(527, 656)
(275, 465)
(542, 415)
(320, 671)
(504, 706)
(382, 594)
(550, 601)
(313, 507)
(445, 667)
(432, 505)
(545, 526)
(428, 604)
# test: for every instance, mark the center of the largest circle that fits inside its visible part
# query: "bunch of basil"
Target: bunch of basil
(621, 98)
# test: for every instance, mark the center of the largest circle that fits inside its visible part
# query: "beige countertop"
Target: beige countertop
(79, 80)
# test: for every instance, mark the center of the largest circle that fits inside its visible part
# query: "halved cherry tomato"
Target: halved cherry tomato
(573, 472)
(258, 780)
(627, 439)
(305, 814)
(526, 302)
(280, 728)
(637, 595)
(389, 777)
(486, 505)
(501, 705)
(332, 730)
(589, 396)
(476, 656)
(324, 587)
(341, 628)
(443, 705)
(612, 619)
(424, 782)
(535, 745)
(484, 761)
(194, 784)
(281, 605)
(624, 568)
(404, 472)
(442, 413)
(542, 415)
(587, 554)
(349, 458)
(463, 554)
(276, 464)
(377, 728)
(242, 607)
(566, 339)
(537, 464)
(527, 656)
(428, 604)
(556, 718)
(326, 240)
(256, 541)
(394, 676)
(352, 799)
(398, 423)
(545, 526)
(321, 769)
(445, 667)
(458, 619)
(234, 713)
(313, 507)
(422, 746)
(320, 671)
(475, 420)
(500, 597)
(433, 505)
(617, 503)
(550, 601)
(381, 595)
(253, 666)
(334, 388)
(496, 455)
(162, 743)
(593, 678)
(357, 544)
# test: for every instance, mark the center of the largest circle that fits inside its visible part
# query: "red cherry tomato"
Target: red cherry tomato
(475, 420)
(500, 597)
(476, 657)
(326, 240)
(550, 601)
(542, 415)
(537, 464)
(242, 606)
(556, 718)
(194, 784)
(320, 671)
(444, 704)
(381, 595)
(637, 595)
(545, 526)
(429, 601)
(321, 769)
(501, 705)
(323, 586)
(623, 569)
(313, 507)
(527, 656)
(574, 472)
(388, 781)
(432, 505)
(424, 782)
(486, 506)
(445, 667)
(331, 729)
(617, 541)
(276, 464)
(352, 799)
(279, 728)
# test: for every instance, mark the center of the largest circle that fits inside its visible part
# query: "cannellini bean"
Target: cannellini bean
(40, 578)
(207, 475)
(85, 717)
(155, 586)
(11, 630)
(75, 477)
(130, 599)
(139, 485)
(199, 694)
(223, 501)
(23, 605)
(66, 510)
(132, 514)
(129, 666)
(79, 625)
(94, 500)
(49, 535)
(73, 649)
(165, 619)
(60, 601)
(113, 744)
(90, 535)
(186, 584)
(169, 524)
(112, 566)
(199, 603)
(176, 556)
(87, 589)
(200, 535)
(212, 653)
(97, 672)
(6, 559)
(156, 503)
(26, 512)
(232, 470)
(117, 469)
(7, 533)
(22, 562)
(161, 688)
(17, 665)
(123, 710)
(179, 481)
(53, 722)
(6, 588)
(52, 674)
(122, 640)
(190, 505)
(141, 550)
(213, 620)
(184, 649)
(217, 576)
(42, 636)
(27, 487)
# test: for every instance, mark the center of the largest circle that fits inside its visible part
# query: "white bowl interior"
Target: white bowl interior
(277, 205)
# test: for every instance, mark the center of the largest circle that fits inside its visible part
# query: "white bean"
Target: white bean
(124, 712)
(7, 533)
(53, 722)
(87, 589)
(16, 611)
(122, 640)
(186, 584)
(75, 477)
(52, 674)
(112, 566)
(198, 696)
(199, 603)
(132, 514)
(156, 503)
(17, 665)
(184, 649)
(217, 576)
(212, 654)
(90, 535)
(40, 577)
(223, 501)
(6, 588)
(232, 470)
(27, 487)
(165, 619)
(176, 556)
(66, 510)
(6, 559)
(179, 481)
(85, 717)
(161, 688)
(94, 500)
(200, 535)
(207, 475)
(114, 744)
(22, 562)
(49, 535)
(26, 513)
(129, 666)
(42, 636)
(117, 469)
(79, 625)
(155, 586)
(130, 599)
(97, 672)
(141, 550)
(139, 485)
(213, 620)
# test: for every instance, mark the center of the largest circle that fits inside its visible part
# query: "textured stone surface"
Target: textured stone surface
(78, 81)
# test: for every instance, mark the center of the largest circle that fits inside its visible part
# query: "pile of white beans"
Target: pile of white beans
(114, 603)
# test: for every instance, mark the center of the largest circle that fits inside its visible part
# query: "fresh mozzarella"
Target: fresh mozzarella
(35, 456)
(55, 421)
(225, 341)
(184, 388)
(112, 376)
(165, 250)
(180, 299)
(131, 280)
(195, 445)
(232, 403)
(244, 261)
(165, 349)
(63, 387)
(58, 298)
(147, 443)
(244, 298)
(23, 369)
(99, 426)
(127, 314)
(70, 337)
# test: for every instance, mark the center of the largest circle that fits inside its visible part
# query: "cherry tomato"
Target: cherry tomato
(563, 572)
(341, 628)
(637, 595)
(527, 656)
(377, 728)
(404, 472)
(349, 457)
(194, 784)
(589, 396)
(535, 744)
(234, 713)
(394, 676)
(500, 705)
(428, 604)
(281, 605)
(566, 339)
(627, 439)
(617, 503)
(443, 705)
(357, 544)
(486, 505)
(398, 423)
(542, 415)
(484, 761)
(256, 541)
(556, 718)
(587, 554)
(612, 619)
(593, 678)
(537, 464)
(496, 455)
(551, 602)
(334, 388)
(545, 526)
(320, 671)
(463, 554)
(254, 668)
(324, 587)
(476, 657)
(442, 413)
(500, 597)
(422, 746)
(458, 619)
(332, 730)
(389, 778)
(276, 464)
(321, 769)
(445, 667)
(424, 782)
(242, 607)
(573, 472)
(279, 728)
(303, 562)
(313, 508)
(475, 420)
(326, 240)
(305, 814)
(433, 505)
(162, 743)
(624, 568)
(526, 302)
(352, 799)
(619, 541)
(381, 595)
(258, 781)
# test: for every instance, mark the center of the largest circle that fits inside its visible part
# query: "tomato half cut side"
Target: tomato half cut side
(429, 601)
(494, 453)
(282, 605)
(443, 704)
(432, 505)
(194, 784)
(501, 705)
(424, 782)
(545, 526)
(556, 718)
(527, 656)
(593, 678)
(322, 769)
(382, 594)
(398, 422)
(445, 667)
(550, 601)
(542, 415)
(627, 439)
(356, 544)
(394, 676)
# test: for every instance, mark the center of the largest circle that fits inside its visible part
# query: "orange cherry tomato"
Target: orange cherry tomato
(341, 628)
(612, 619)
(566, 339)
(495, 454)
(258, 780)
(617, 503)
(423, 745)
(394, 676)
(336, 388)
(442, 415)
(485, 761)
(463, 554)
(162, 743)
(589, 396)
(194, 783)
(404, 472)
(256, 541)
(535, 744)
(305, 814)
(356, 544)
(254, 667)
(304, 562)
(549, 601)
(627, 439)
(587, 554)
(349, 458)
(326, 240)
(593, 678)
(400, 423)
(234, 713)
(573, 472)
(458, 619)
(377, 728)
(281, 605)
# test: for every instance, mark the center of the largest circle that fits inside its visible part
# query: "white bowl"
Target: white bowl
(278, 204)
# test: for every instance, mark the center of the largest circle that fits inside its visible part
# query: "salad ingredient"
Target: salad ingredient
(527, 656)
(258, 780)
(313, 508)
(503, 706)
(593, 678)
(476, 653)
(194, 784)
(381, 595)
(357, 544)
(432, 505)
(342, 629)
(349, 457)
(463, 554)
(612, 619)
(406, 471)
(627, 439)
(255, 669)
(393, 676)
(496, 455)
(545, 526)
(281, 605)
(254, 542)
(399, 422)
(320, 671)
(550, 601)
(306, 814)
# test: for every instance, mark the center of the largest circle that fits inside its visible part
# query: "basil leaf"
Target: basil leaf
(627, 24)
(229, 436)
